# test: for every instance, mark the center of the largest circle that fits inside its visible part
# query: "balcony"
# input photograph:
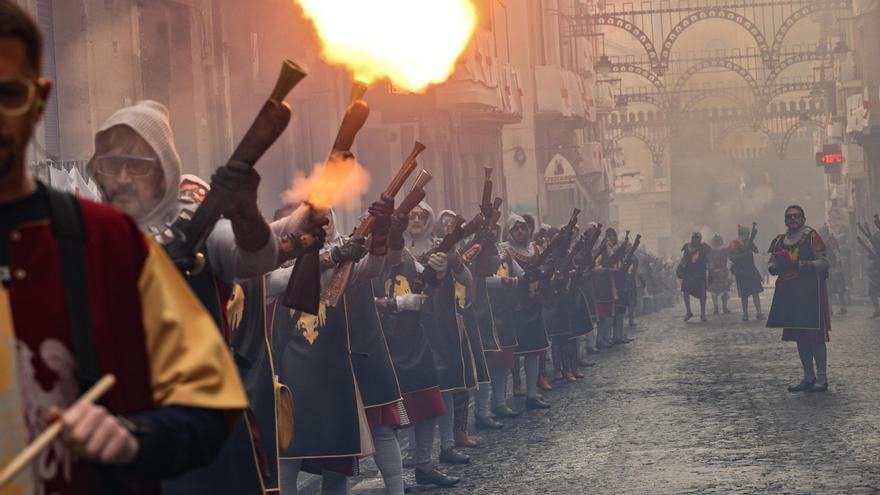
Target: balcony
(560, 93)
(482, 88)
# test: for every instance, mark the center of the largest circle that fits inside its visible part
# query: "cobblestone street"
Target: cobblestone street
(693, 408)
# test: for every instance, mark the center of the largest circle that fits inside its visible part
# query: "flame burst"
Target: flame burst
(414, 43)
(339, 182)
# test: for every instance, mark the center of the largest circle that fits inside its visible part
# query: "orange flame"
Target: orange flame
(339, 182)
(414, 43)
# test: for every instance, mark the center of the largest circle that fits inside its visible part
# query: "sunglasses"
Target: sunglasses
(17, 96)
(793, 216)
(135, 166)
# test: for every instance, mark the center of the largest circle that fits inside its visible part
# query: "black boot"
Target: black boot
(803, 386)
(435, 477)
(452, 456)
(488, 423)
(536, 403)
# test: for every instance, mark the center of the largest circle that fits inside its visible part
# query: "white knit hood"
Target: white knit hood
(422, 243)
(151, 121)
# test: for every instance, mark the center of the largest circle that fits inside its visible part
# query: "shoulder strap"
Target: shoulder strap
(67, 226)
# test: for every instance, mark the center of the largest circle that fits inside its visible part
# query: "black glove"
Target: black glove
(352, 250)
(237, 182)
(399, 224)
(381, 210)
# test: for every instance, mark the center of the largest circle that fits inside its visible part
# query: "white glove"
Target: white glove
(410, 302)
(439, 262)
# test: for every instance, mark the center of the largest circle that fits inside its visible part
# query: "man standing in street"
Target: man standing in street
(693, 273)
(85, 294)
(749, 282)
(800, 303)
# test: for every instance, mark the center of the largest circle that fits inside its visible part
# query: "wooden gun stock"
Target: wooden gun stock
(268, 125)
(336, 287)
(303, 291)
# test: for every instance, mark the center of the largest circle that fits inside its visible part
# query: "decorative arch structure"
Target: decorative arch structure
(636, 32)
(648, 74)
(771, 92)
(719, 62)
(689, 104)
(792, 60)
(650, 98)
(782, 145)
(709, 14)
(749, 125)
(657, 149)
(798, 15)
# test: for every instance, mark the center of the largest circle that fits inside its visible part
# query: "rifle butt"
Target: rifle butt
(335, 288)
(303, 291)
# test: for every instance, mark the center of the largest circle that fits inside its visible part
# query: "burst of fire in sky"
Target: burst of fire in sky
(414, 43)
(339, 182)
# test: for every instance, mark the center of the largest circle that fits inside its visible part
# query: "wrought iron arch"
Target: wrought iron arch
(719, 62)
(651, 99)
(797, 16)
(657, 149)
(708, 14)
(648, 74)
(782, 145)
(636, 32)
(773, 91)
(751, 125)
(792, 60)
(688, 106)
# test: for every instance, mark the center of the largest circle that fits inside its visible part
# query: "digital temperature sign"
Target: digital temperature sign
(830, 156)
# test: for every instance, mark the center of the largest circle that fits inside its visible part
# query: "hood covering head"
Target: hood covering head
(528, 249)
(333, 238)
(421, 243)
(151, 121)
(514, 219)
(438, 224)
(717, 240)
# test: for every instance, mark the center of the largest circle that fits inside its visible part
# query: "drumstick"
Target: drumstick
(51, 433)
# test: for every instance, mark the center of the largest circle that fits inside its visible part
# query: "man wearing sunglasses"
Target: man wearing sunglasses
(84, 294)
(800, 303)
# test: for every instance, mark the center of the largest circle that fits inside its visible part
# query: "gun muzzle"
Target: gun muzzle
(291, 75)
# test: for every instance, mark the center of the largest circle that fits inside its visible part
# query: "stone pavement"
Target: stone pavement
(692, 408)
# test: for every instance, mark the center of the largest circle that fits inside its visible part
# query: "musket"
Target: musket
(628, 259)
(590, 246)
(752, 235)
(189, 232)
(303, 291)
(486, 204)
(416, 194)
(335, 288)
(866, 231)
(562, 239)
(448, 242)
(870, 251)
(618, 254)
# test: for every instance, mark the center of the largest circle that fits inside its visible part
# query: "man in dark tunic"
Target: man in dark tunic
(693, 272)
(531, 333)
(800, 303)
(749, 282)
